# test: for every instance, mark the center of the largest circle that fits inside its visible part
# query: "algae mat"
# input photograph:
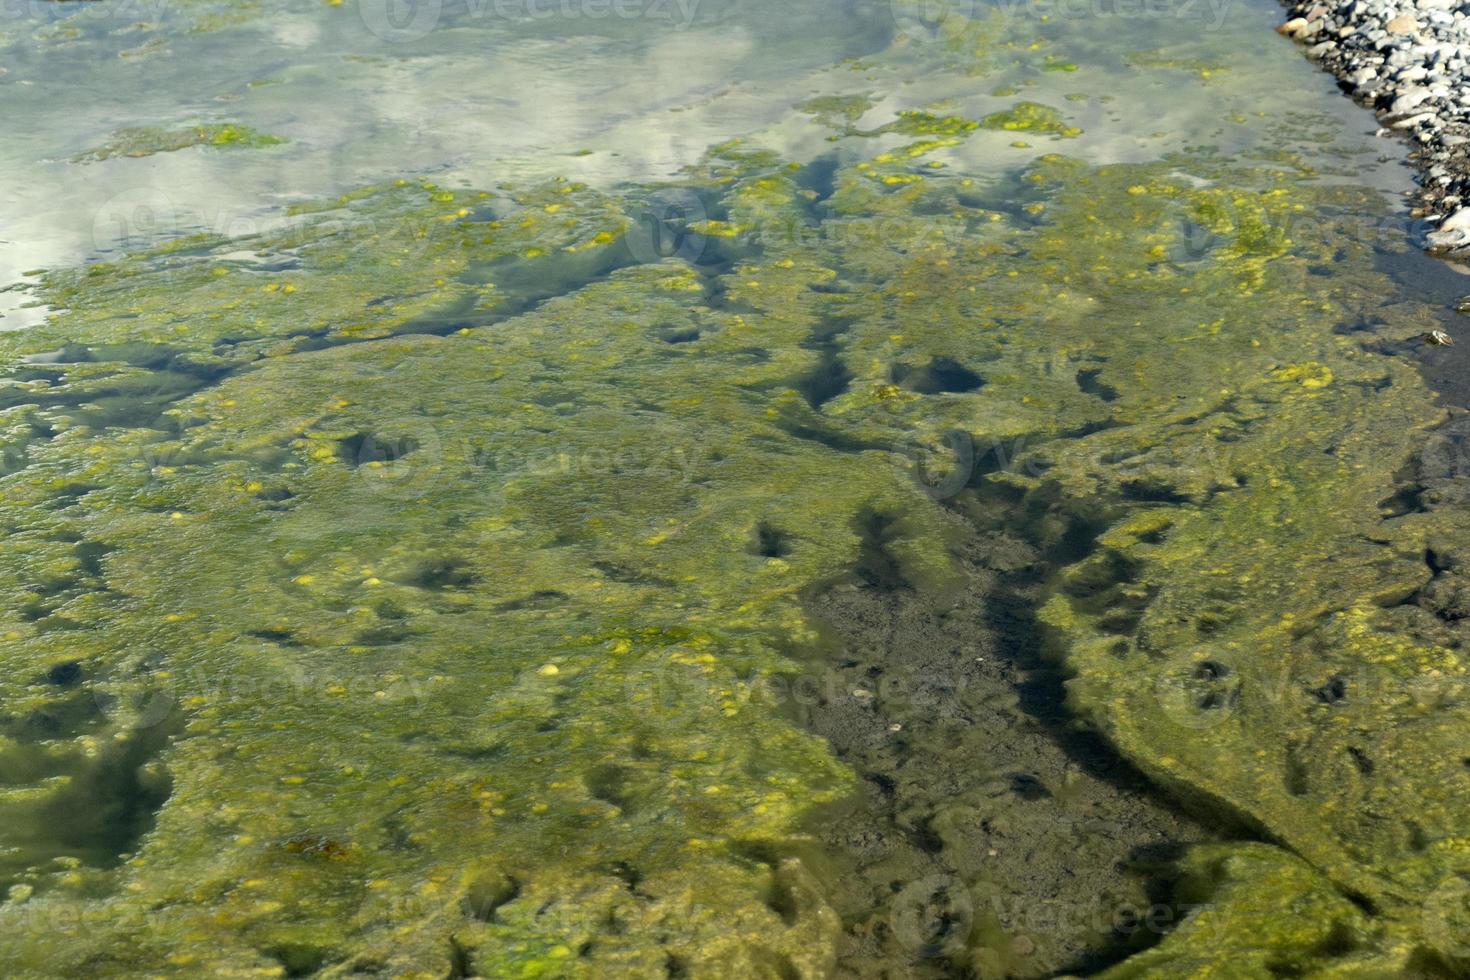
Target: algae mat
(411, 593)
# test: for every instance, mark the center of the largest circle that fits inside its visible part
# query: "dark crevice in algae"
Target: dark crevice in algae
(974, 771)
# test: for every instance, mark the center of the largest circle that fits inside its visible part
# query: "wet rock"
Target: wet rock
(1453, 231)
(1409, 122)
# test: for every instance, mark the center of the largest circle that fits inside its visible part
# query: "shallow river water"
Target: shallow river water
(720, 488)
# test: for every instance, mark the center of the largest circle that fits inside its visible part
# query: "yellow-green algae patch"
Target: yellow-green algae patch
(1030, 117)
(145, 141)
(839, 112)
(1242, 629)
(462, 637)
(405, 598)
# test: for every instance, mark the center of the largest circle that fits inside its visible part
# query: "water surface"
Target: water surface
(738, 489)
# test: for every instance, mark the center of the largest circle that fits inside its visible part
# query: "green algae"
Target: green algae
(916, 122)
(467, 592)
(1229, 591)
(92, 22)
(1031, 117)
(838, 111)
(1205, 68)
(1053, 63)
(417, 573)
(1261, 913)
(143, 142)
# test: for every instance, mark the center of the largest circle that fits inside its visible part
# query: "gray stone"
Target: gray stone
(1409, 98)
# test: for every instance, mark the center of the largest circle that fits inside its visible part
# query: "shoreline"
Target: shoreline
(1409, 62)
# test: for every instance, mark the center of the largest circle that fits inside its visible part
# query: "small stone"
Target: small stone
(1459, 221)
(1437, 338)
(1446, 240)
(1402, 24)
(1294, 27)
(1409, 99)
(1409, 122)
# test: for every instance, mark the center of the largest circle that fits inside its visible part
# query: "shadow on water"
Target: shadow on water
(1443, 284)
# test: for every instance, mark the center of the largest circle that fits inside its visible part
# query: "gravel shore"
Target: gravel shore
(1410, 61)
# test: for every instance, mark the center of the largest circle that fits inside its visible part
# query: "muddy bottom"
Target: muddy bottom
(1443, 286)
(993, 836)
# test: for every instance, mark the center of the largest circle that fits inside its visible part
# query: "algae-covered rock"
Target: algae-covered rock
(1241, 629)
(1031, 117)
(1257, 912)
(143, 142)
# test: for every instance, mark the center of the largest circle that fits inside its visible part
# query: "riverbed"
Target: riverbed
(707, 489)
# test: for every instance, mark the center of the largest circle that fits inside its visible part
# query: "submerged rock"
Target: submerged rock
(142, 142)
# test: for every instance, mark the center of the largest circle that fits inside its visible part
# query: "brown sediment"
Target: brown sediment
(991, 832)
